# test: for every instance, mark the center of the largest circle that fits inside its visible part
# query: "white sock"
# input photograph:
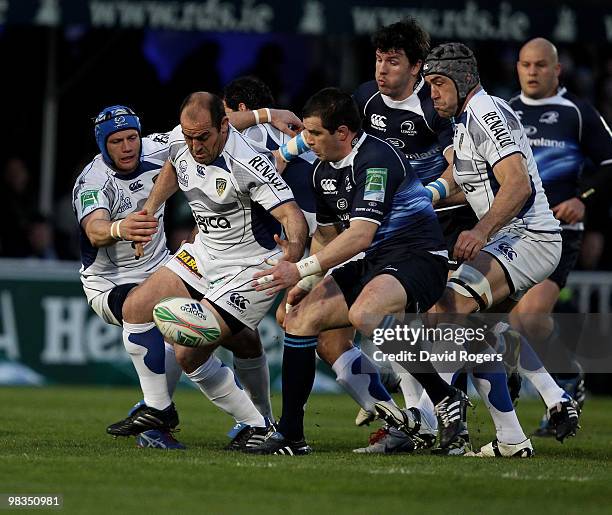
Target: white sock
(173, 369)
(217, 383)
(254, 376)
(507, 426)
(426, 407)
(364, 387)
(145, 345)
(550, 391)
(416, 396)
(411, 389)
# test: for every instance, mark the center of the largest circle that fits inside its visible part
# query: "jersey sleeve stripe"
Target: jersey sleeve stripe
(280, 203)
(366, 219)
(508, 155)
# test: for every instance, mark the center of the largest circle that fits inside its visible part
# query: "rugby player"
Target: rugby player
(237, 199)
(563, 132)
(108, 200)
(516, 243)
(368, 199)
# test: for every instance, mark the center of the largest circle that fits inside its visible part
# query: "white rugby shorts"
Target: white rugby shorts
(225, 282)
(527, 257)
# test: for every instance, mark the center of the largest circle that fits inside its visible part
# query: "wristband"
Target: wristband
(437, 190)
(308, 266)
(262, 113)
(294, 147)
(115, 230)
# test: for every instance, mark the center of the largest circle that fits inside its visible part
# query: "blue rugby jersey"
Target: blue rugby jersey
(376, 183)
(563, 132)
(411, 125)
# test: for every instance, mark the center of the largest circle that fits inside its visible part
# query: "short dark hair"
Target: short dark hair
(406, 35)
(335, 108)
(207, 101)
(251, 91)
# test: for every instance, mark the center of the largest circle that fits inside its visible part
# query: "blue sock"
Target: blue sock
(495, 375)
(298, 375)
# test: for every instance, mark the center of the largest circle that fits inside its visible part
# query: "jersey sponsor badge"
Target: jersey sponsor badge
(375, 184)
(89, 198)
(220, 184)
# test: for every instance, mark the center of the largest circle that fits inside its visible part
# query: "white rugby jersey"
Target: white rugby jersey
(100, 187)
(231, 198)
(485, 133)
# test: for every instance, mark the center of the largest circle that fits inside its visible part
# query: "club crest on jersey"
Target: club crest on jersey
(189, 262)
(549, 117)
(375, 184)
(89, 198)
(407, 127)
(220, 184)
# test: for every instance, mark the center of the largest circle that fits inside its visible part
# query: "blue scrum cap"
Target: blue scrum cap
(114, 119)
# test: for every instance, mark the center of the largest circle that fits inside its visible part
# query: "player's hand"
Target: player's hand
(469, 244)
(285, 121)
(282, 275)
(295, 295)
(570, 211)
(281, 164)
(292, 251)
(139, 227)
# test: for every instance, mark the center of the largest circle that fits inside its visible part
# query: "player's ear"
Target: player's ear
(224, 125)
(242, 107)
(343, 132)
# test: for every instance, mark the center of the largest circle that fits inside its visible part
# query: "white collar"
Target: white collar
(543, 101)
(411, 101)
(348, 159)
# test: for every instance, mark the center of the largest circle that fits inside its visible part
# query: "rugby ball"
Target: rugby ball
(186, 322)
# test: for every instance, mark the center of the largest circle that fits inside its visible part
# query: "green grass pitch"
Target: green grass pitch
(53, 441)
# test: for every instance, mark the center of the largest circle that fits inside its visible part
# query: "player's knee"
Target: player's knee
(191, 359)
(304, 320)
(362, 319)
(246, 344)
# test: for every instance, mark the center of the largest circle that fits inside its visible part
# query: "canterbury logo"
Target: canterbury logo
(378, 121)
(239, 301)
(328, 184)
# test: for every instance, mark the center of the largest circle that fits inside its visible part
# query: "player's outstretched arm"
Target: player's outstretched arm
(349, 243)
(103, 232)
(515, 188)
(282, 119)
